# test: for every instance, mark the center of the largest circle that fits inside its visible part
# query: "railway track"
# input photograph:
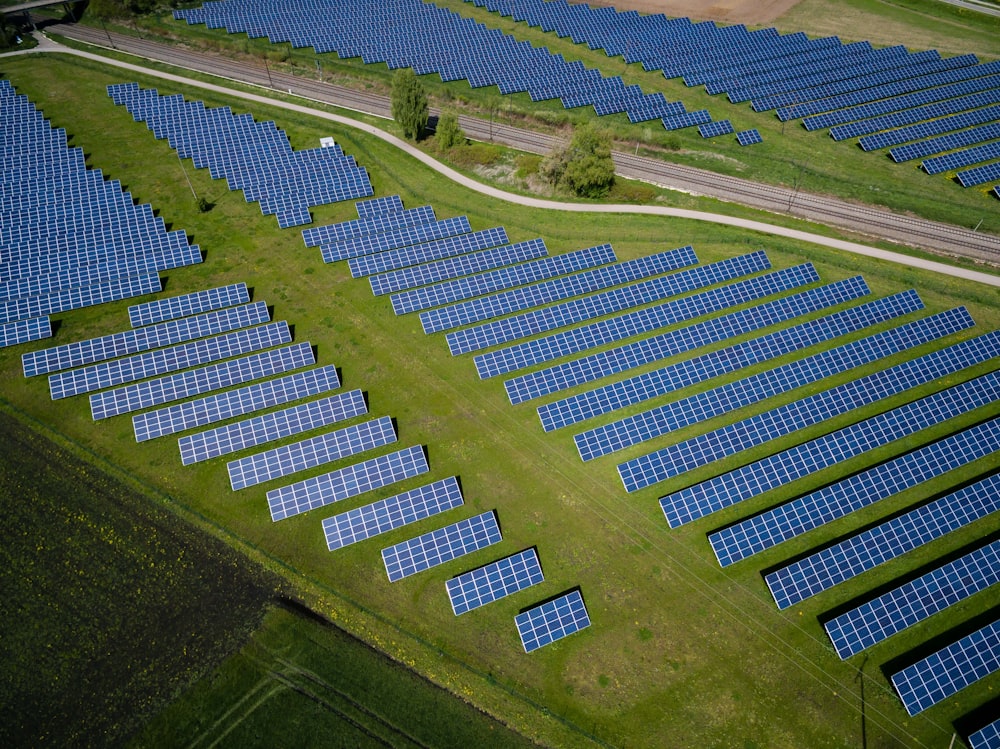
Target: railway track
(864, 220)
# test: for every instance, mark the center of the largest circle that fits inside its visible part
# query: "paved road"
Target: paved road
(757, 226)
(863, 220)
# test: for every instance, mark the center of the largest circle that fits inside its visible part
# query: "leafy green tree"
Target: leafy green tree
(585, 166)
(448, 133)
(409, 103)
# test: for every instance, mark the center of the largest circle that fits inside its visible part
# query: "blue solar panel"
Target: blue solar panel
(387, 260)
(142, 339)
(452, 267)
(987, 737)
(633, 323)
(667, 379)
(859, 553)
(677, 459)
(299, 456)
(701, 406)
(320, 235)
(183, 416)
(440, 546)
(346, 482)
(272, 426)
(84, 296)
(777, 470)
(908, 604)
(188, 304)
(152, 363)
(22, 331)
(748, 137)
(712, 129)
(551, 621)
(496, 580)
(186, 384)
(395, 512)
(394, 238)
(942, 674)
(564, 287)
(838, 500)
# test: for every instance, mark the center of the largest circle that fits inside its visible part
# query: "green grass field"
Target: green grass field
(680, 652)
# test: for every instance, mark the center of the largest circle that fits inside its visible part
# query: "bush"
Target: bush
(409, 103)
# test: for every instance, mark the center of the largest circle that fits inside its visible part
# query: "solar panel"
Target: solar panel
(346, 482)
(448, 268)
(640, 388)
(797, 462)
(564, 287)
(152, 363)
(393, 259)
(494, 581)
(837, 500)
(194, 303)
(863, 551)
(222, 406)
(23, 331)
(394, 238)
(195, 382)
(440, 546)
(748, 137)
(395, 512)
(272, 426)
(942, 674)
(912, 602)
(300, 456)
(713, 129)
(677, 459)
(142, 339)
(614, 329)
(83, 296)
(987, 737)
(551, 621)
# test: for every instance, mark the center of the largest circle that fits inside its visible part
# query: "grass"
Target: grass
(681, 652)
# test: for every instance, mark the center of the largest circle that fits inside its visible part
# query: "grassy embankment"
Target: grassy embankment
(679, 649)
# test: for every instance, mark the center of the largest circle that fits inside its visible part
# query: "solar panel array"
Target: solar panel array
(271, 426)
(395, 512)
(908, 604)
(344, 483)
(577, 310)
(161, 310)
(494, 581)
(792, 519)
(631, 391)
(232, 403)
(864, 551)
(255, 157)
(942, 674)
(614, 329)
(440, 546)
(299, 456)
(392, 239)
(987, 737)
(553, 620)
(672, 461)
(68, 238)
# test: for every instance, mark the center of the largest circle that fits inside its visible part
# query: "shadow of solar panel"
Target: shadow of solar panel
(195, 303)
(23, 331)
(341, 484)
(184, 416)
(685, 456)
(551, 621)
(440, 546)
(574, 285)
(942, 674)
(624, 326)
(494, 581)
(661, 381)
(987, 737)
(911, 603)
(84, 296)
(864, 551)
(393, 239)
(835, 501)
(186, 384)
(153, 363)
(381, 262)
(300, 456)
(452, 268)
(142, 339)
(395, 512)
(272, 426)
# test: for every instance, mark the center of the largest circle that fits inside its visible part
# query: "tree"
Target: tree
(585, 167)
(409, 103)
(448, 134)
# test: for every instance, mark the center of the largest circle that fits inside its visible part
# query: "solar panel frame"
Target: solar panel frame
(551, 621)
(439, 546)
(504, 577)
